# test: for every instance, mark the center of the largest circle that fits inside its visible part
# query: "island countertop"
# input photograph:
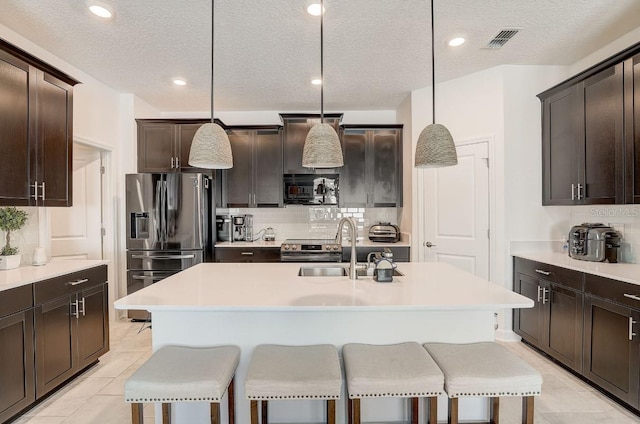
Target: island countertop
(277, 286)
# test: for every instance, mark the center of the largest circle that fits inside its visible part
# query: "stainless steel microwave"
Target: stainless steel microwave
(311, 189)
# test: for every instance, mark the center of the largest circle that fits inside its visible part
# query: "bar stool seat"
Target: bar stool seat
(184, 374)
(401, 370)
(485, 369)
(293, 372)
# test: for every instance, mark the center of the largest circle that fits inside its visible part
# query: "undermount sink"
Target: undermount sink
(334, 271)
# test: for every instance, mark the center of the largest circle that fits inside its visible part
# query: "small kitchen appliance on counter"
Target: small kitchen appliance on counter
(384, 232)
(223, 228)
(594, 242)
(242, 228)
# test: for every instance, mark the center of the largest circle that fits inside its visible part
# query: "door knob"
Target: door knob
(429, 244)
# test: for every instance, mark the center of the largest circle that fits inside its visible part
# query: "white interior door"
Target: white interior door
(76, 232)
(456, 211)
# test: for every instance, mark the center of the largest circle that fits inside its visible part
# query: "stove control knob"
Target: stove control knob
(336, 247)
(294, 247)
(286, 247)
(327, 247)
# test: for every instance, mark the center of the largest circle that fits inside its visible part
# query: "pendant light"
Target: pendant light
(210, 147)
(435, 146)
(322, 147)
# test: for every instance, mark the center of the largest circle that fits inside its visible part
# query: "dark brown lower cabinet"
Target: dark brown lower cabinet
(612, 348)
(247, 254)
(16, 363)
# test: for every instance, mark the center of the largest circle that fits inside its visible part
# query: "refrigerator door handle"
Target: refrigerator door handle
(165, 234)
(163, 257)
(156, 210)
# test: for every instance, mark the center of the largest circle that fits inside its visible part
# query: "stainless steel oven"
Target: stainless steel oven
(309, 250)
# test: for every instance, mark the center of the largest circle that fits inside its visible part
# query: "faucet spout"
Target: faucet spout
(353, 235)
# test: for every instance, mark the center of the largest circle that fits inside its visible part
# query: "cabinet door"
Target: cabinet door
(560, 127)
(528, 322)
(295, 134)
(55, 330)
(611, 348)
(385, 164)
(239, 190)
(156, 152)
(354, 190)
(563, 325)
(601, 147)
(15, 79)
(632, 129)
(16, 363)
(183, 146)
(267, 162)
(93, 326)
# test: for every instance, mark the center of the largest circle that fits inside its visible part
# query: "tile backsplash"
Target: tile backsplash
(313, 221)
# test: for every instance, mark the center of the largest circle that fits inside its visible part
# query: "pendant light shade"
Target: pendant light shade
(435, 146)
(210, 147)
(322, 147)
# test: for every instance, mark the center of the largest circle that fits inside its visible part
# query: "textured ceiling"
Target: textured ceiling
(267, 51)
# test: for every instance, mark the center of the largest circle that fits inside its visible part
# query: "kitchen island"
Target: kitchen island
(251, 304)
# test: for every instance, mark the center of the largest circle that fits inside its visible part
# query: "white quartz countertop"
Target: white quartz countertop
(277, 286)
(629, 273)
(30, 274)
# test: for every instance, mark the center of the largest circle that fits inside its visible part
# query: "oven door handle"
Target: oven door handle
(163, 257)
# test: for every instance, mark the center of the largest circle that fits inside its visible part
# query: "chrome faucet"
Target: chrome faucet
(353, 235)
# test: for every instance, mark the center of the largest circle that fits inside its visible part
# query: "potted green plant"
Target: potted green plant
(11, 219)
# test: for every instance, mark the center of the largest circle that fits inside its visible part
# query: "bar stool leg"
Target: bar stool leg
(231, 401)
(254, 412)
(453, 410)
(215, 413)
(494, 408)
(166, 413)
(349, 410)
(414, 410)
(433, 410)
(527, 409)
(265, 412)
(136, 413)
(356, 411)
(331, 411)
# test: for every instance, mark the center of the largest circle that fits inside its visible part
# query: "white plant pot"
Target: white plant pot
(9, 262)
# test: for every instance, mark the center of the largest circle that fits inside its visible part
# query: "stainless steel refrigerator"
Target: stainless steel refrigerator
(168, 227)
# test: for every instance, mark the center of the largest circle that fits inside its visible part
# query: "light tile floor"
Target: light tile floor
(96, 396)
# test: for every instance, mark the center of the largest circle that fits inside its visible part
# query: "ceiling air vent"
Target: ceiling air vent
(501, 39)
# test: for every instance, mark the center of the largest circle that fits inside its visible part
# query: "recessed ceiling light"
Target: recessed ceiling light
(314, 9)
(316, 81)
(455, 42)
(179, 81)
(100, 9)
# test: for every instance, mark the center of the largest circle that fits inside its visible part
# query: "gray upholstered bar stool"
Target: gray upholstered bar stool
(184, 374)
(401, 370)
(485, 369)
(293, 372)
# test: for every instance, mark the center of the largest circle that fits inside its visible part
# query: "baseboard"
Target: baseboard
(507, 336)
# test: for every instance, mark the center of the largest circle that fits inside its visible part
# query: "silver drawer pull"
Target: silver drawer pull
(75, 283)
(632, 296)
(631, 333)
(539, 271)
(163, 258)
(246, 253)
(539, 290)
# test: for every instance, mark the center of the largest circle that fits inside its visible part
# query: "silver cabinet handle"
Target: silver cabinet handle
(72, 311)
(246, 253)
(631, 333)
(545, 291)
(573, 192)
(539, 271)
(138, 277)
(539, 290)
(35, 190)
(172, 160)
(580, 187)
(163, 258)
(82, 310)
(75, 283)
(43, 196)
(177, 162)
(632, 296)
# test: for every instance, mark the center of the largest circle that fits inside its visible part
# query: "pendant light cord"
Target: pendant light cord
(321, 62)
(433, 69)
(213, 9)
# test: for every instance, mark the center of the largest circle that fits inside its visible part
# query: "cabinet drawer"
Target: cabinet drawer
(553, 274)
(616, 291)
(247, 254)
(46, 290)
(16, 299)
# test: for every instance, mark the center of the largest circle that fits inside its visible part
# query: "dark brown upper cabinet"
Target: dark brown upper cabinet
(590, 138)
(164, 145)
(255, 180)
(296, 128)
(372, 171)
(36, 123)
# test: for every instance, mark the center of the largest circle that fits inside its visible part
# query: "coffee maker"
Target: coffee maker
(242, 228)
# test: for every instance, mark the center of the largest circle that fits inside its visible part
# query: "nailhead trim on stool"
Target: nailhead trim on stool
(184, 374)
(399, 370)
(293, 372)
(485, 369)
